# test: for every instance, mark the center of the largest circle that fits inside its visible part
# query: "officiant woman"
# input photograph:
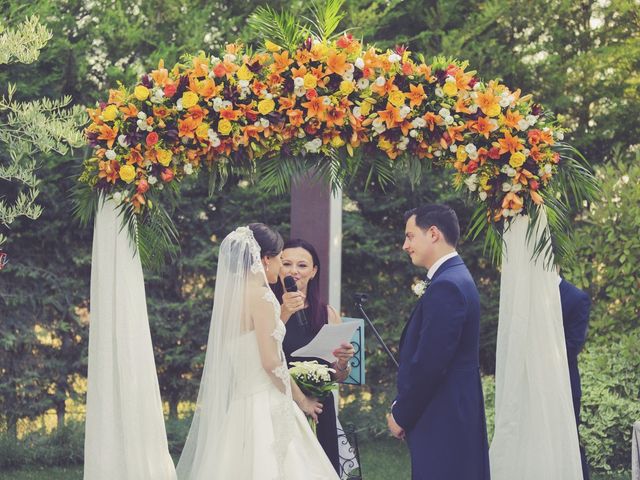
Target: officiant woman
(304, 315)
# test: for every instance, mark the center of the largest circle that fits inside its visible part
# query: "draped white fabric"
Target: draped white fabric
(535, 432)
(125, 436)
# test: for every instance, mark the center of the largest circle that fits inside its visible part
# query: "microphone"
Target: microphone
(290, 286)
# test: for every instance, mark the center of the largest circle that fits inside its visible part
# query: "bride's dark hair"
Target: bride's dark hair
(269, 240)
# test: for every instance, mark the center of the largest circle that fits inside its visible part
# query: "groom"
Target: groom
(439, 408)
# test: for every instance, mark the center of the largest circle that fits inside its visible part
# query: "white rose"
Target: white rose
(419, 122)
(413, 133)
(482, 195)
(560, 135)
(453, 148)
(142, 115)
(122, 141)
(300, 91)
(188, 169)
(152, 180)
(404, 111)
(532, 119)
(523, 125)
(348, 76)
(506, 187)
(444, 112)
(298, 82)
(470, 148)
(110, 154)
(380, 81)
(360, 63)
(449, 120)
(394, 58)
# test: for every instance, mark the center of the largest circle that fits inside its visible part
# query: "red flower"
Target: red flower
(345, 41)
(311, 93)
(472, 166)
(494, 153)
(152, 139)
(166, 175)
(534, 185)
(143, 186)
(170, 91)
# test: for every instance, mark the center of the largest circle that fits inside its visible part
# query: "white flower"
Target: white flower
(226, 104)
(356, 112)
(413, 133)
(453, 148)
(473, 108)
(506, 100)
(122, 141)
(110, 154)
(439, 92)
(363, 83)
(474, 155)
(444, 112)
(350, 68)
(360, 63)
(448, 120)
(532, 119)
(560, 135)
(470, 148)
(230, 57)
(419, 288)
(438, 153)
(245, 83)
(419, 122)
(548, 168)
(117, 197)
(403, 144)
(506, 187)
(404, 111)
(394, 58)
(217, 104)
(142, 115)
(516, 187)
(379, 125)
(348, 76)
(511, 172)
(314, 145)
(380, 81)
(152, 180)
(523, 125)
(326, 100)
(450, 79)
(264, 122)
(301, 134)
(472, 182)
(179, 104)
(300, 91)
(482, 195)
(298, 82)
(188, 169)
(478, 86)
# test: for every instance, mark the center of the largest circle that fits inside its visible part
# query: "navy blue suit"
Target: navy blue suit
(576, 306)
(440, 404)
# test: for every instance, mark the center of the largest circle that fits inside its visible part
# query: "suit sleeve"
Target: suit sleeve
(443, 317)
(576, 329)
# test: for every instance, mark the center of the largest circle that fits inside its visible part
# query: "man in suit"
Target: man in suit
(576, 306)
(439, 408)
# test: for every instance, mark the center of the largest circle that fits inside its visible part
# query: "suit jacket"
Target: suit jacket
(440, 403)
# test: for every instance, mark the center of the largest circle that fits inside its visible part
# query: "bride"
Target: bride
(249, 422)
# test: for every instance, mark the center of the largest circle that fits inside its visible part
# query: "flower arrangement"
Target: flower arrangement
(314, 379)
(324, 99)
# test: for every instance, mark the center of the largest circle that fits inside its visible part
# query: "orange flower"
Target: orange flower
(536, 154)
(187, 127)
(160, 111)
(384, 89)
(109, 134)
(200, 66)
(336, 62)
(207, 88)
(335, 116)
(488, 103)
(109, 170)
(509, 143)
(391, 115)
(281, 62)
(135, 157)
(286, 103)
(416, 95)
(425, 70)
(512, 118)
(432, 120)
(116, 97)
(315, 108)
(230, 114)
(483, 126)
(129, 111)
(303, 56)
(295, 117)
(161, 75)
(461, 106)
(512, 201)
(535, 196)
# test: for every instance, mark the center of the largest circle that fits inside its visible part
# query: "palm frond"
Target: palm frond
(85, 203)
(325, 17)
(276, 173)
(282, 28)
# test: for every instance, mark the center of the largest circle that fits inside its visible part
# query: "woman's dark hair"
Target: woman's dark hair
(317, 315)
(269, 240)
(441, 216)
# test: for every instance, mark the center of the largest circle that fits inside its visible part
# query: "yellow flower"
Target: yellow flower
(224, 126)
(396, 98)
(266, 106)
(109, 113)
(337, 141)
(517, 159)
(384, 144)
(461, 154)
(203, 130)
(365, 108)
(346, 87)
(310, 81)
(164, 157)
(272, 47)
(493, 110)
(141, 92)
(189, 99)
(450, 89)
(127, 173)
(244, 73)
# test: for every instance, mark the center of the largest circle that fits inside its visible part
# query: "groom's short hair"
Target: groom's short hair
(441, 216)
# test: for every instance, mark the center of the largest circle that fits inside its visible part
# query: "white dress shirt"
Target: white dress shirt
(434, 268)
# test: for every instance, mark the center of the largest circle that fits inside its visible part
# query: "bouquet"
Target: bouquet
(314, 379)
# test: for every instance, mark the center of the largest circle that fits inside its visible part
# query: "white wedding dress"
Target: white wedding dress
(246, 425)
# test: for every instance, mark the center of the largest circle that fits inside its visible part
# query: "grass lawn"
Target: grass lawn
(382, 459)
